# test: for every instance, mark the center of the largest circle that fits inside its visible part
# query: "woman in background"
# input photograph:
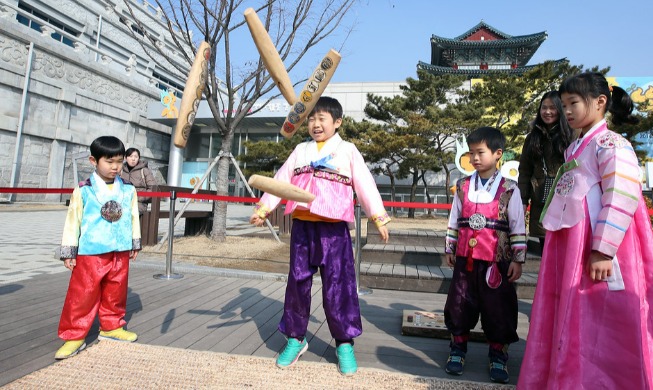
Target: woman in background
(542, 155)
(136, 171)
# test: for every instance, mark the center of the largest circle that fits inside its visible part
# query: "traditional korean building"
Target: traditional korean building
(482, 50)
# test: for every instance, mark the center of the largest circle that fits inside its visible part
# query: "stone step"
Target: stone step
(425, 278)
(422, 255)
(409, 237)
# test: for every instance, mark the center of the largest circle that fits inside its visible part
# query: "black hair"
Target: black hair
(328, 104)
(493, 138)
(591, 85)
(107, 146)
(560, 136)
(131, 151)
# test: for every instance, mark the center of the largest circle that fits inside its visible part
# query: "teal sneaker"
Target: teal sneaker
(346, 359)
(294, 349)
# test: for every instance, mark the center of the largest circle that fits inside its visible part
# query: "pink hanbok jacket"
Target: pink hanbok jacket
(611, 207)
(332, 174)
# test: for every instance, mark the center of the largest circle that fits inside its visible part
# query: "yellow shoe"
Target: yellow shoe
(70, 348)
(118, 334)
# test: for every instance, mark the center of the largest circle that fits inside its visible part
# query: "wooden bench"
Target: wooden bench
(284, 222)
(197, 222)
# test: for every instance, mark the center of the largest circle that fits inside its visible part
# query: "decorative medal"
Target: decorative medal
(472, 242)
(477, 221)
(111, 211)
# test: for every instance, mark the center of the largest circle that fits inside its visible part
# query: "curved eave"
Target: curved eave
(514, 41)
(434, 69)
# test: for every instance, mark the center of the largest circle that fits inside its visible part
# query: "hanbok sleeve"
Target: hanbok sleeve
(136, 224)
(622, 190)
(366, 190)
(269, 202)
(451, 240)
(517, 226)
(72, 226)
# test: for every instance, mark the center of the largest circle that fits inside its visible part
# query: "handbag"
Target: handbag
(548, 182)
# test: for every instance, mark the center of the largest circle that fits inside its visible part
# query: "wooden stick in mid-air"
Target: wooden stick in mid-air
(270, 56)
(192, 94)
(311, 93)
(280, 189)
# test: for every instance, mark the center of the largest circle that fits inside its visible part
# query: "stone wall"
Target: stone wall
(71, 100)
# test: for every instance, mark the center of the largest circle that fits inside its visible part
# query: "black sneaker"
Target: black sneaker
(498, 370)
(455, 363)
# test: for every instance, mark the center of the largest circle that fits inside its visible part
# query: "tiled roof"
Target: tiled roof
(434, 69)
(511, 41)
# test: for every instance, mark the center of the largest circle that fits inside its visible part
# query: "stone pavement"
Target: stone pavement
(30, 235)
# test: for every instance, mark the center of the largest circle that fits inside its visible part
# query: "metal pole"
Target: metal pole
(97, 39)
(357, 253)
(171, 233)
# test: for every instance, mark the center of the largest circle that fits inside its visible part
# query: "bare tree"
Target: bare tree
(236, 84)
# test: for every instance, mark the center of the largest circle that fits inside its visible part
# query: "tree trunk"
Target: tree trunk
(219, 232)
(393, 193)
(447, 181)
(428, 195)
(413, 190)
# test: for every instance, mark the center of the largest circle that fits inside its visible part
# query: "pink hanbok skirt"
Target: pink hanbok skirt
(582, 335)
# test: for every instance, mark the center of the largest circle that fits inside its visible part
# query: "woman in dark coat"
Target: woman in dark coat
(542, 155)
(136, 171)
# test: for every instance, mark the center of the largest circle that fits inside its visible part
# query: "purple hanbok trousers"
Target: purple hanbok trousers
(325, 246)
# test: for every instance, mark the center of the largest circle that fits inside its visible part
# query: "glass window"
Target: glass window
(197, 146)
(37, 26)
(166, 83)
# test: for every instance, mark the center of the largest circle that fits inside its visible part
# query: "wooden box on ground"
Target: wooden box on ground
(431, 324)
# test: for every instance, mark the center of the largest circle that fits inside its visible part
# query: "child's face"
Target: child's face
(107, 168)
(321, 126)
(579, 113)
(483, 159)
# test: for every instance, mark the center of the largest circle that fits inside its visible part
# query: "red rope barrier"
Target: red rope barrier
(220, 198)
(17, 190)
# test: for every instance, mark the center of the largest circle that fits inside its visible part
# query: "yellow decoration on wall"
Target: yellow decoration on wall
(168, 99)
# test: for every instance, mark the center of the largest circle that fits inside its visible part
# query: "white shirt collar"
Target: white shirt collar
(483, 194)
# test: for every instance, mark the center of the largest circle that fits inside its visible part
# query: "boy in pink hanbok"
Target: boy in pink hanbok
(591, 324)
(486, 246)
(332, 169)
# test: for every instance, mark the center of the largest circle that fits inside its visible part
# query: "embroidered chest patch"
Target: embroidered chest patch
(611, 140)
(565, 184)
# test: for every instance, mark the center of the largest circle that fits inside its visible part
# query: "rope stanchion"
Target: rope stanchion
(171, 233)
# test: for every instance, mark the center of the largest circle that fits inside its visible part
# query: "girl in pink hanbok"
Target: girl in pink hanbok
(591, 326)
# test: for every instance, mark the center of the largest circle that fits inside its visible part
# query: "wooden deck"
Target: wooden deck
(235, 315)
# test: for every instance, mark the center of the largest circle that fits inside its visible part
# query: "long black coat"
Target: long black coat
(531, 179)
